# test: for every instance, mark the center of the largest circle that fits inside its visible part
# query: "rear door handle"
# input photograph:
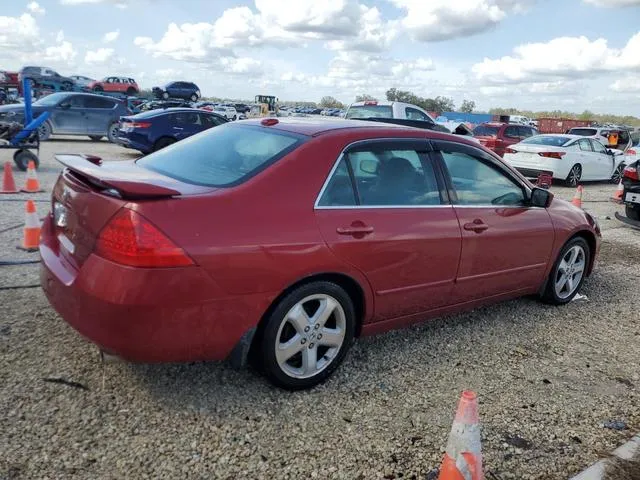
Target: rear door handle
(477, 226)
(364, 230)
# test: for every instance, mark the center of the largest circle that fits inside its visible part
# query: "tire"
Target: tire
(617, 174)
(131, 91)
(45, 131)
(560, 296)
(575, 174)
(112, 132)
(67, 86)
(96, 138)
(98, 88)
(193, 97)
(165, 95)
(305, 339)
(22, 157)
(632, 213)
(163, 143)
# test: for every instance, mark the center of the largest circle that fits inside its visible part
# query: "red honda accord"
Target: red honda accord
(281, 240)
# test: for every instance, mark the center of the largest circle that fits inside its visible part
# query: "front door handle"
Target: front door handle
(477, 226)
(354, 230)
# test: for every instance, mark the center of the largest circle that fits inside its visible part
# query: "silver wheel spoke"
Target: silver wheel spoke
(570, 283)
(579, 267)
(324, 311)
(298, 318)
(309, 360)
(574, 255)
(561, 283)
(563, 266)
(287, 350)
(331, 337)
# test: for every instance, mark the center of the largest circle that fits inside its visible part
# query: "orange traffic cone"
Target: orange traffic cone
(8, 183)
(31, 231)
(577, 197)
(32, 185)
(617, 197)
(463, 459)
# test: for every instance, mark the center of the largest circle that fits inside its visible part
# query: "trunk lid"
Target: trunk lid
(88, 194)
(527, 155)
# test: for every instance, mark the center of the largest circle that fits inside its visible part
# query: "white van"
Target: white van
(376, 109)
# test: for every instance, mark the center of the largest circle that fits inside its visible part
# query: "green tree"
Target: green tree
(330, 102)
(365, 98)
(468, 106)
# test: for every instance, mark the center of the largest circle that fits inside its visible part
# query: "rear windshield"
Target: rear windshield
(222, 156)
(544, 140)
(583, 132)
(367, 111)
(485, 131)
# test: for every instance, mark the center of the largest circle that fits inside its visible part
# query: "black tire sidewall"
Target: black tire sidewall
(112, 138)
(550, 295)
(22, 157)
(163, 143)
(267, 356)
(194, 97)
(46, 125)
(568, 182)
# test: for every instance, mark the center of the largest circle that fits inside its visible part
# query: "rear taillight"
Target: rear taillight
(130, 239)
(138, 124)
(510, 150)
(557, 155)
(631, 152)
(631, 172)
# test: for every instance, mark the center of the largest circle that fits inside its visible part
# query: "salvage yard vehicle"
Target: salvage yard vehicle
(631, 192)
(617, 138)
(82, 81)
(124, 85)
(156, 129)
(183, 90)
(72, 114)
(229, 113)
(46, 77)
(499, 136)
(280, 240)
(571, 158)
(374, 108)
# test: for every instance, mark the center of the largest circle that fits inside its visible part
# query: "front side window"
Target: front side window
(477, 182)
(585, 145)
(511, 132)
(598, 147)
(383, 177)
(415, 114)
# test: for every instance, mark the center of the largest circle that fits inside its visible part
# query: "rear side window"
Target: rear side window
(222, 156)
(485, 131)
(366, 111)
(94, 102)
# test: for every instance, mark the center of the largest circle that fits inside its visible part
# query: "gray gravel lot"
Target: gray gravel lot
(547, 378)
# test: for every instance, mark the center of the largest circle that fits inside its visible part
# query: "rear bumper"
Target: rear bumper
(533, 172)
(135, 145)
(146, 315)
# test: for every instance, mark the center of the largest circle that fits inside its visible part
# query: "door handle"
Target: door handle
(477, 226)
(354, 230)
(178, 128)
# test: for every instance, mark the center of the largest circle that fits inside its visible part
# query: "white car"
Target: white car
(376, 109)
(571, 158)
(602, 135)
(229, 112)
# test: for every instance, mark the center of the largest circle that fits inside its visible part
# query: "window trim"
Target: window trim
(483, 156)
(588, 142)
(358, 144)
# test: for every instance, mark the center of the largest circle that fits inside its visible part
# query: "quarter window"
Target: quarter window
(383, 177)
(479, 183)
(585, 145)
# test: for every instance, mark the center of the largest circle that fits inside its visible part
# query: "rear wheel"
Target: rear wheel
(193, 97)
(632, 213)
(617, 174)
(44, 131)
(22, 158)
(95, 138)
(67, 86)
(98, 88)
(162, 143)
(306, 336)
(568, 272)
(575, 174)
(165, 95)
(112, 132)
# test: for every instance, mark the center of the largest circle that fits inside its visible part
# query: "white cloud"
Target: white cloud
(373, 34)
(99, 56)
(116, 3)
(437, 20)
(60, 36)
(613, 3)
(18, 32)
(62, 53)
(111, 36)
(629, 84)
(34, 7)
(563, 57)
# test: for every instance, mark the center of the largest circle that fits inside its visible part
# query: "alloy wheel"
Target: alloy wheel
(617, 174)
(574, 176)
(310, 336)
(570, 271)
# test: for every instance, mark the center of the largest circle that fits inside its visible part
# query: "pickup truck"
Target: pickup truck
(400, 110)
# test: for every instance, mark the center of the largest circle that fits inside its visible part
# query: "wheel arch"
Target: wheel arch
(590, 238)
(168, 137)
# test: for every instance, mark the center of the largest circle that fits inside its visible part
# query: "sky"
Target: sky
(570, 55)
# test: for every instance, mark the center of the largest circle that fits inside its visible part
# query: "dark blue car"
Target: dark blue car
(153, 130)
(183, 90)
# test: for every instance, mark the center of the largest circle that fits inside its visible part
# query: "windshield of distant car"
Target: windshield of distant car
(552, 141)
(222, 156)
(368, 111)
(583, 132)
(51, 100)
(486, 131)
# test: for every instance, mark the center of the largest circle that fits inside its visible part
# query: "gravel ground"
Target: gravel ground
(547, 379)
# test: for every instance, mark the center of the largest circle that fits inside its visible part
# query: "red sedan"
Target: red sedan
(281, 240)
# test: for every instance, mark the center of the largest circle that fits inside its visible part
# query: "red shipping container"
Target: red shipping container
(560, 125)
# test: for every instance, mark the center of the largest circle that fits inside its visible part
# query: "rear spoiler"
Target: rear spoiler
(130, 181)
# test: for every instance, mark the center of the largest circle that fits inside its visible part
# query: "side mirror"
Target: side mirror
(541, 198)
(65, 106)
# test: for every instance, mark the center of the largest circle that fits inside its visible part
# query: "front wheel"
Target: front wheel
(98, 88)
(44, 131)
(575, 174)
(165, 95)
(194, 97)
(617, 174)
(131, 91)
(112, 132)
(307, 336)
(632, 213)
(568, 272)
